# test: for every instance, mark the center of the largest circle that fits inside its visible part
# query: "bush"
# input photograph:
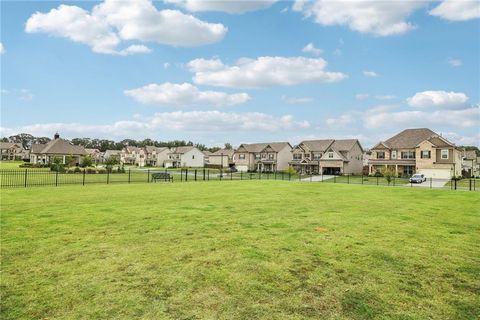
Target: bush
(90, 170)
(102, 170)
(71, 170)
(77, 170)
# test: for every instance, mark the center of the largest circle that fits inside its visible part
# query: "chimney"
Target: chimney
(56, 136)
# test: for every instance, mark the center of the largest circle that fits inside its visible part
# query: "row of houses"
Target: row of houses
(410, 151)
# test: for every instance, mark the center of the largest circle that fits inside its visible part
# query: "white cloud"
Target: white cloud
(112, 22)
(25, 95)
(284, 10)
(465, 118)
(296, 100)
(199, 65)
(457, 10)
(455, 62)
(310, 48)
(341, 121)
(185, 94)
(362, 96)
(385, 97)
(371, 74)
(380, 18)
(461, 140)
(192, 122)
(438, 99)
(228, 6)
(2, 48)
(263, 72)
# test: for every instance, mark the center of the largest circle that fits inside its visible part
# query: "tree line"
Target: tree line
(26, 140)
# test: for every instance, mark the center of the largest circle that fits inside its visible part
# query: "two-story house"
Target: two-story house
(188, 156)
(417, 151)
(133, 156)
(470, 165)
(11, 151)
(328, 157)
(156, 156)
(264, 157)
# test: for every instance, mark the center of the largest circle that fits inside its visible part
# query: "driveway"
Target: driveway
(437, 183)
(318, 178)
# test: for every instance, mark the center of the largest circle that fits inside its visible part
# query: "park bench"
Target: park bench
(162, 176)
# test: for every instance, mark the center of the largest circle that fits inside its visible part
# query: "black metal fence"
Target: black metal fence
(23, 178)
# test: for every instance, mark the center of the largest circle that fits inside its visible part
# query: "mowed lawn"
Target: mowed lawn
(239, 250)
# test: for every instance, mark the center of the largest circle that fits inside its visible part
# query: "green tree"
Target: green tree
(87, 161)
(388, 173)
(228, 146)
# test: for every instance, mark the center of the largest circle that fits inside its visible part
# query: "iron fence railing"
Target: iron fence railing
(18, 178)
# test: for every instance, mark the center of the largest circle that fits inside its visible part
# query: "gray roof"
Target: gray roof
(150, 149)
(409, 138)
(225, 152)
(345, 144)
(317, 145)
(58, 146)
(8, 145)
(182, 150)
(109, 153)
(258, 147)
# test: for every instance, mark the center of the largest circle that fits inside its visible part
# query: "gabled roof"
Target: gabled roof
(225, 152)
(8, 145)
(409, 138)
(91, 150)
(182, 150)
(258, 147)
(345, 144)
(317, 145)
(109, 153)
(150, 149)
(58, 146)
(439, 141)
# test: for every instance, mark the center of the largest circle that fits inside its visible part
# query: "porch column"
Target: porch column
(64, 159)
(396, 170)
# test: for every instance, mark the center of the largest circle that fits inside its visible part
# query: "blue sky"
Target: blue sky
(225, 71)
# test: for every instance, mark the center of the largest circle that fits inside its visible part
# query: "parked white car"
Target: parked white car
(418, 178)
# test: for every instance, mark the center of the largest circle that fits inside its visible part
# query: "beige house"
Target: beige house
(188, 156)
(57, 148)
(11, 151)
(328, 157)
(96, 155)
(133, 156)
(222, 158)
(114, 154)
(156, 156)
(417, 151)
(264, 157)
(470, 165)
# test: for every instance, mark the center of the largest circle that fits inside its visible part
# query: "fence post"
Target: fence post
(26, 172)
(430, 182)
(195, 174)
(203, 174)
(259, 175)
(208, 175)
(241, 175)
(377, 180)
(455, 184)
(108, 177)
(311, 177)
(56, 178)
(348, 179)
(83, 178)
(362, 178)
(129, 175)
(470, 184)
(231, 175)
(186, 174)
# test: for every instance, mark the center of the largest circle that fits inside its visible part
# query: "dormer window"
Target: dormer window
(394, 154)
(380, 155)
(330, 155)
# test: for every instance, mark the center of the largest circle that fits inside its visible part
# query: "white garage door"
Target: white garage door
(436, 173)
(242, 168)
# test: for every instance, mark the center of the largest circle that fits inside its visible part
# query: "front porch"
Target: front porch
(266, 166)
(401, 170)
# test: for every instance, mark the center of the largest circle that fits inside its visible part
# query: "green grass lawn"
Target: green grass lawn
(239, 250)
(8, 164)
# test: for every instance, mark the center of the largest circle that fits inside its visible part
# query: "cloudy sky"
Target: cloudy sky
(227, 71)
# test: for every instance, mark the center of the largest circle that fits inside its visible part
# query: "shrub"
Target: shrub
(77, 170)
(102, 170)
(71, 170)
(90, 170)
(388, 174)
(87, 161)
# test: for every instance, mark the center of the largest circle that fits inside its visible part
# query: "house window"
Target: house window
(241, 156)
(408, 170)
(297, 156)
(444, 153)
(394, 154)
(193, 156)
(408, 155)
(257, 156)
(425, 154)
(271, 156)
(317, 156)
(380, 155)
(330, 155)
